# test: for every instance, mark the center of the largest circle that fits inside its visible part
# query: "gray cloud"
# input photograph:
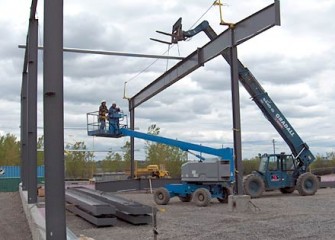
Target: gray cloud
(294, 63)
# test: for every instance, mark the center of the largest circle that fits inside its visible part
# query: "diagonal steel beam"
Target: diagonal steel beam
(243, 30)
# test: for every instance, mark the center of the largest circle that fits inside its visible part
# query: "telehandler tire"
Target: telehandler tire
(161, 196)
(202, 197)
(253, 185)
(307, 184)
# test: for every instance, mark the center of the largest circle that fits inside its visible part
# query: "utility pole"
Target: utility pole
(274, 146)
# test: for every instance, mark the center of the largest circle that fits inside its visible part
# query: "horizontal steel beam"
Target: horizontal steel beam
(243, 30)
(113, 53)
(121, 204)
(134, 219)
(97, 221)
(127, 210)
(90, 204)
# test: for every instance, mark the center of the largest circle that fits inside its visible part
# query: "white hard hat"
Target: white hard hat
(103, 101)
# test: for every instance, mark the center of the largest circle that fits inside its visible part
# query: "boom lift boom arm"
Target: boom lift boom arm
(223, 153)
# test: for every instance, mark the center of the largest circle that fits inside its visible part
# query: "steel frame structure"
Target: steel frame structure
(226, 43)
(53, 98)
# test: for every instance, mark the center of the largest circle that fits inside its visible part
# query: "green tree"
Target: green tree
(250, 165)
(161, 154)
(113, 163)
(40, 151)
(9, 150)
(79, 162)
(323, 165)
(126, 155)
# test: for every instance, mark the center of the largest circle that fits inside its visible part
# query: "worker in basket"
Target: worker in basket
(114, 116)
(103, 111)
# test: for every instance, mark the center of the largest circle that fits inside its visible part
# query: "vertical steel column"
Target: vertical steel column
(236, 116)
(24, 129)
(32, 110)
(54, 120)
(132, 144)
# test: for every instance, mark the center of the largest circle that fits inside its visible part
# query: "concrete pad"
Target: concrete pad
(35, 214)
(239, 203)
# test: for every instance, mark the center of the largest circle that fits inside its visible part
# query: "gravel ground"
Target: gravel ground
(13, 222)
(274, 216)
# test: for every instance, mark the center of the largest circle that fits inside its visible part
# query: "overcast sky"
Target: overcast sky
(294, 62)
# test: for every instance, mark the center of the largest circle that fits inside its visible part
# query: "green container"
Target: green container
(12, 184)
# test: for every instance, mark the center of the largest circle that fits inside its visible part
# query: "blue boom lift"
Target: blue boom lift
(285, 172)
(200, 180)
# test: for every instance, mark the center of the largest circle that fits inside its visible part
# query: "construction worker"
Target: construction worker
(103, 111)
(113, 116)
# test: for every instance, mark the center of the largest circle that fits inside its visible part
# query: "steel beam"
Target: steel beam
(257, 23)
(245, 29)
(53, 97)
(24, 100)
(182, 69)
(113, 53)
(134, 219)
(236, 117)
(88, 203)
(97, 221)
(127, 210)
(130, 211)
(132, 144)
(31, 16)
(32, 111)
(33, 9)
(121, 204)
(24, 131)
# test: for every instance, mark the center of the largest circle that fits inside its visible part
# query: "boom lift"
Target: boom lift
(285, 172)
(200, 180)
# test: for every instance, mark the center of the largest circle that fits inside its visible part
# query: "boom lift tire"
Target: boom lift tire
(202, 197)
(161, 196)
(225, 192)
(307, 184)
(253, 185)
(287, 190)
(187, 198)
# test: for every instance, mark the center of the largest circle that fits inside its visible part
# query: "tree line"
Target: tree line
(80, 163)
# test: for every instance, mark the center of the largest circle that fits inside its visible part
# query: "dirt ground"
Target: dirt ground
(274, 216)
(13, 222)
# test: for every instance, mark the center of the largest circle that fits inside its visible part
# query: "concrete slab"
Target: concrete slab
(239, 203)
